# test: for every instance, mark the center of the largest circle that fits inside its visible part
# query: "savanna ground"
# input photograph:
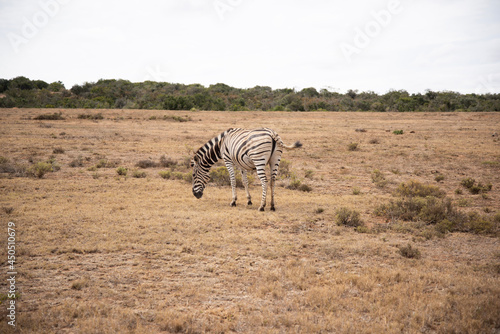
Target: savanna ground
(99, 252)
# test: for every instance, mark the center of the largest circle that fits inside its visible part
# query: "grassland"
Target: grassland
(100, 252)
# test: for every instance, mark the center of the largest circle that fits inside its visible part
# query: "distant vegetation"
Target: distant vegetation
(120, 94)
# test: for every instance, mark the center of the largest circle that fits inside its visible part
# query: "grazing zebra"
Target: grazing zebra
(246, 150)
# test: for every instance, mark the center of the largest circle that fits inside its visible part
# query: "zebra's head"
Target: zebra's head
(200, 177)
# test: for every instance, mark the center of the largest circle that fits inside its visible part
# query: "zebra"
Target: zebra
(245, 149)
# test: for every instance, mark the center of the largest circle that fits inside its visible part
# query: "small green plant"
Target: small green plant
(409, 252)
(220, 176)
(470, 184)
(398, 132)
(122, 171)
(39, 169)
(356, 191)
(348, 217)
(165, 174)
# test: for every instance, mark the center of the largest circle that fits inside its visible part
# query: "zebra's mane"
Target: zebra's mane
(210, 153)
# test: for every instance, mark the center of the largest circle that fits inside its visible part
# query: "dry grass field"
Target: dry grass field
(99, 252)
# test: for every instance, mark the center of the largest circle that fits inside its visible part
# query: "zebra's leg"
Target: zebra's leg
(245, 182)
(230, 169)
(274, 165)
(261, 173)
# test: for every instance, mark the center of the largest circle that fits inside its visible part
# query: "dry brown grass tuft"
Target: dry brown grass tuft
(121, 254)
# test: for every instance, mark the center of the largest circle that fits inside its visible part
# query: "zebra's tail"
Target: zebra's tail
(297, 144)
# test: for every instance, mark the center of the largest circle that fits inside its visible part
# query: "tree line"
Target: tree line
(123, 94)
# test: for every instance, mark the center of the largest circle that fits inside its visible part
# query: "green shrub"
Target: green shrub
(398, 132)
(474, 188)
(188, 177)
(220, 176)
(468, 182)
(348, 217)
(52, 117)
(416, 189)
(39, 169)
(122, 171)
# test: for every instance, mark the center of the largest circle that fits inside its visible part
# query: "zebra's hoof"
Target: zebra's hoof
(233, 204)
(261, 208)
(249, 203)
(273, 209)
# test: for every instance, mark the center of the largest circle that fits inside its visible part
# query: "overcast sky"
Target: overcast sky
(369, 45)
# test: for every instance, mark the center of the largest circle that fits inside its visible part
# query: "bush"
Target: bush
(409, 252)
(468, 182)
(296, 184)
(474, 188)
(40, 169)
(139, 174)
(122, 171)
(348, 217)
(167, 162)
(58, 150)
(220, 176)
(416, 189)
(91, 116)
(430, 210)
(146, 164)
(352, 146)
(78, 162)
(165, 174)
(398, 132)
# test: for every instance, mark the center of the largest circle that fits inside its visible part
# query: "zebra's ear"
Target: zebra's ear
(194, 161)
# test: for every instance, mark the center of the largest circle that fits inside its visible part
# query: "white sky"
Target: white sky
(374, 45)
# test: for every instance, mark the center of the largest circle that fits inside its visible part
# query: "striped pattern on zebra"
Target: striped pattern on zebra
(246, 150)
